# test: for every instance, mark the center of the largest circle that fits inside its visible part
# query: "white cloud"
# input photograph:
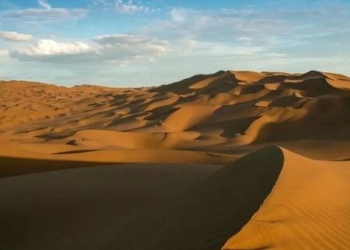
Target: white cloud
(15, 36)
(44, 4)
(179, 15)
(45, 12)
(101, 2)
(122, 46)
(130, 7)
(252, 31)
(132, 40)
(117, 48)
(245, 39)
(4, 53)
(190, 47)
(50, 48)
(53, 51)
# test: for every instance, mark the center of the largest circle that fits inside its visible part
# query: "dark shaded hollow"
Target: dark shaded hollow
(82, 208)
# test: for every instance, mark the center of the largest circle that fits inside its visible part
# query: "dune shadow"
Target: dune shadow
(11, 166)
(80, 208)
(206, 216)
(55, 136)
(76, 151)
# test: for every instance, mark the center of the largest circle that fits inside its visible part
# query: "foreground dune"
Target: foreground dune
(123, 207)
(309, 208)
(230, 160)
(271, 198)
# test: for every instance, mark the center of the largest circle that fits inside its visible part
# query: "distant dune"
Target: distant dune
(230, 160)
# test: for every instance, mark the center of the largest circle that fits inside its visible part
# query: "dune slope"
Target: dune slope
(205, 216)
(122, 207)
(309, 208)
(82, 208)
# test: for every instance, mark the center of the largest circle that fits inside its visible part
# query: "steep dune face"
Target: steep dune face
(203, 217)
(307, 209)
(189, 116)
(312, 119)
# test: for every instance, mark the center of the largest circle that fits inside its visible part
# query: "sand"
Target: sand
(230, 160)
(83, 208)
(149, 206)
(309, 208)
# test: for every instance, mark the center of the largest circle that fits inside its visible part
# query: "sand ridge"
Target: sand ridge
(307, 209)
(248, 108)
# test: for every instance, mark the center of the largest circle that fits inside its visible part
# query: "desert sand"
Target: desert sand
(230, 160)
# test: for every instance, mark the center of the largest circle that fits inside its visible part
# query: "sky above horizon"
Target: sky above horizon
(146, 43)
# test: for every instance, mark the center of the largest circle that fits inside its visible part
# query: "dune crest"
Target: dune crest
(307, 209)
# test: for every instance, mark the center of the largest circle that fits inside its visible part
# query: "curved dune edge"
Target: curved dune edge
(189, 116)
(309, 208)
(205, 216)
(202, 217)
(30, 162)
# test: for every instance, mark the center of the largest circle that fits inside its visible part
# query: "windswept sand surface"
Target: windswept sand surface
(176, 178)
(309, 208)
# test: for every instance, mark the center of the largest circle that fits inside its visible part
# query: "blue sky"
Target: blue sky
(144, 43)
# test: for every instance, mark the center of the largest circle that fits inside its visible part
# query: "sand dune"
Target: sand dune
(188, 116)
(283, 105)
(20, 159)
(110, 207)
(83, 208)
(307, 209)
(178, 134)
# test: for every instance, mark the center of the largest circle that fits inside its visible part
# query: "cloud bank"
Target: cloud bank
(112, 47)
(15, 36)
(45, 12)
